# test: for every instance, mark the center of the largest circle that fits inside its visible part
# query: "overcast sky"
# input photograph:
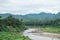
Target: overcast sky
(23, 7)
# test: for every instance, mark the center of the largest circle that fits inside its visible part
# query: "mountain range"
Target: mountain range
(39, 16)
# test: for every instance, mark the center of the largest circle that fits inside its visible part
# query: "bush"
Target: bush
(12, 36)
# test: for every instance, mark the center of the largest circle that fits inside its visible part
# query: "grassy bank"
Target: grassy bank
(52, 29)
(12, 36)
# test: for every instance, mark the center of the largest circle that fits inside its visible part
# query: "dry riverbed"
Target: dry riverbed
(33, 34)
(46, 34)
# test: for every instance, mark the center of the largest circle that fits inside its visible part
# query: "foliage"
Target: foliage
(9, 28)
(43, 23)
(11, 24)
(12, 36)
(52, 29)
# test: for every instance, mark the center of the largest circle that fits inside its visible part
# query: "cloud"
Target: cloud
(29, 6)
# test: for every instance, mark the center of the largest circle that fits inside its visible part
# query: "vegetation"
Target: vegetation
(46, 26)
(10, 28)
(51, 29)
(38, 16)
(43, 23)
(11, 24)
(12, 36)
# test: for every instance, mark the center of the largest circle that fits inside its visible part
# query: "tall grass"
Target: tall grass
(12, 36)
(52, 29)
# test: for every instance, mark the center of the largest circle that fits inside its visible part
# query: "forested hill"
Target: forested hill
(39, 16)
(11, 24)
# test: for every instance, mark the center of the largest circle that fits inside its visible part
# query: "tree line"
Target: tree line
(43, 23)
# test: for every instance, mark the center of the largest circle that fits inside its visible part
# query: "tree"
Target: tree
(0, 16)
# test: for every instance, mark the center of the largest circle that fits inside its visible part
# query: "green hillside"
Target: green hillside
(11, 24)
(37, 16)
(11, 29)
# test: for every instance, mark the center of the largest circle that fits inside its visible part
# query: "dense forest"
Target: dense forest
(11, 24)
(43, 23)
(11, 29)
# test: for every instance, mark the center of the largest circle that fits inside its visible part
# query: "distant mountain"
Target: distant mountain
(40, 16)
